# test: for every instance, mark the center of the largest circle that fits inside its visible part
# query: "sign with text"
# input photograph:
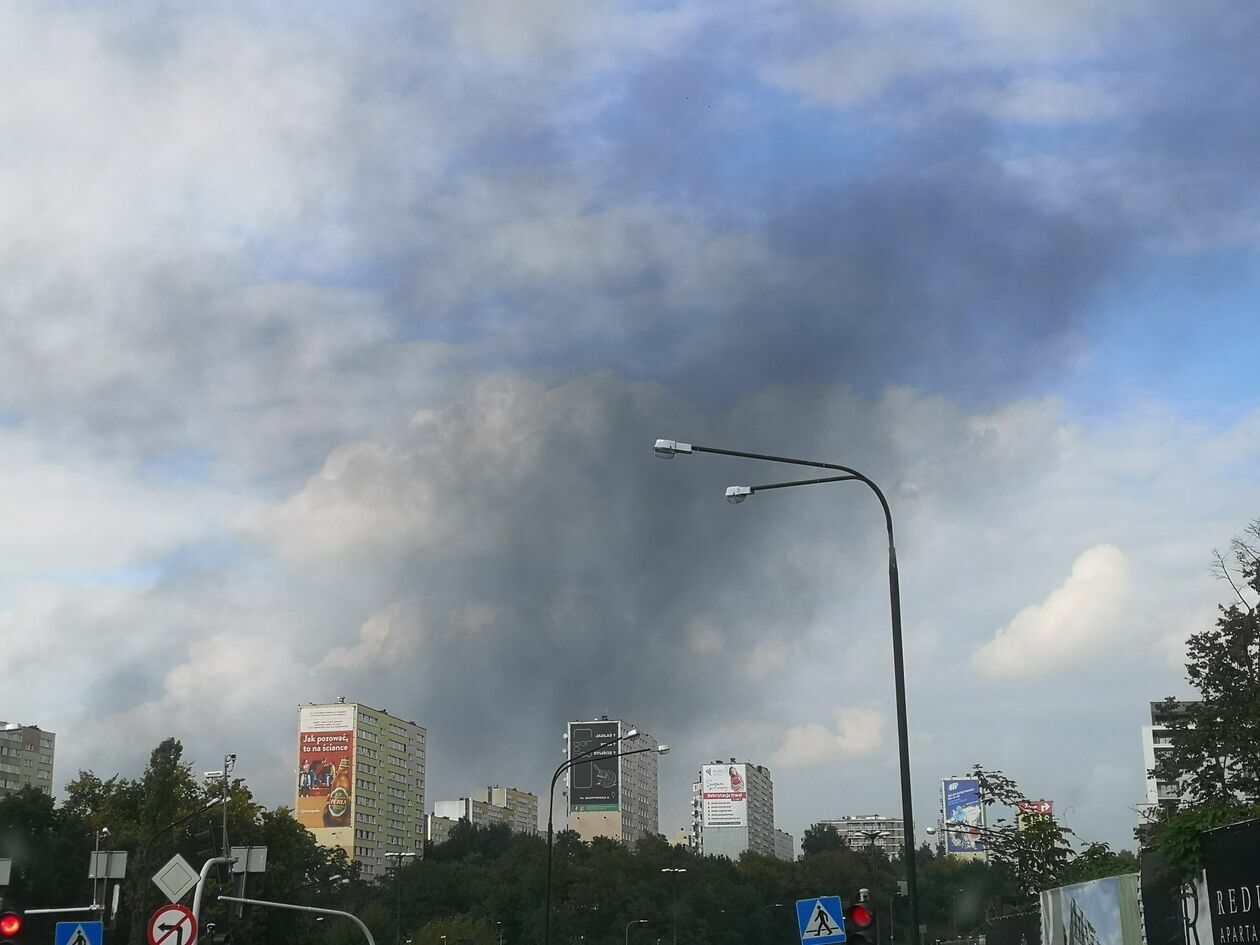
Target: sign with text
(595, 785)
(724, 795)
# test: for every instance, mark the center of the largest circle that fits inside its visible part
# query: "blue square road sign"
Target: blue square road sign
(79, 933)
(821, 920)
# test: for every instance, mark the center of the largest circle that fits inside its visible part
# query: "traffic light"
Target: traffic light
(10, 928)
(859, 924)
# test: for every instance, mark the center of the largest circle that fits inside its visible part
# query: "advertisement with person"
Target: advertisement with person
(964, 816)
(724, 795)
(325, 788)
(594, 785)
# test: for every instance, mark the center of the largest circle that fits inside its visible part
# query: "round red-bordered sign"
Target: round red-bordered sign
(173, 925)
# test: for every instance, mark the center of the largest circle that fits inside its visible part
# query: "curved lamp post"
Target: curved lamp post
(551, 803)
(633, 922)
(667, 449)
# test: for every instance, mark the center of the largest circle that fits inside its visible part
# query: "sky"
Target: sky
(334, 343)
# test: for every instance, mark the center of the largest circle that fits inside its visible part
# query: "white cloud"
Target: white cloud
(1077, 619)
(856, 731)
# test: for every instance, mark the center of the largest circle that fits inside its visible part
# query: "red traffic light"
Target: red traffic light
(861, 917)
(10, 925)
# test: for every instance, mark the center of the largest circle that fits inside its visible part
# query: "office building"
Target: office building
(26, 758)
(732, 808)
(361, 782)
(863, 831)
(611, 796)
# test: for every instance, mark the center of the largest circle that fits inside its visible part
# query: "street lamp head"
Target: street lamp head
(631, 734)
(104, 831)
(668, 449)
(737, 494)
(662, 749)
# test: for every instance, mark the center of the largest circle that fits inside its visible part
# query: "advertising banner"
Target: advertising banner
(724, 795)
(963, 814)
(325, 790)
(1233, 882)
(1100, 912)
(594, 785)
(1029, 810)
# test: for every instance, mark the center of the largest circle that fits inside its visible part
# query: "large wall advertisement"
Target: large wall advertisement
(594, 785)
(325, 788)
(724, 795)
(963, 816)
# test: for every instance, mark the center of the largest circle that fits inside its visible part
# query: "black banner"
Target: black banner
(1233, 882)
(593, 785)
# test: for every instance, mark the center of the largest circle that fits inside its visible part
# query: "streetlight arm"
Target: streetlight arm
(669, 448)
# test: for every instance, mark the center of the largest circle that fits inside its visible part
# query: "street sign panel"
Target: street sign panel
(821, 920)
(79, 933)
(173, 925)
(176, 878)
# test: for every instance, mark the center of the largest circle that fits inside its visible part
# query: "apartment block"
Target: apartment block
(611, 796)
(361, 781)
(26, 758)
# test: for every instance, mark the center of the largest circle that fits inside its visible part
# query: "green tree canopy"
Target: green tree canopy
(1215, 742)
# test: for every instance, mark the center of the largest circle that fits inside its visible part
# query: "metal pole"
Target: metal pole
(899, 671)
(201, 883)
(288, 905)
(551, 803)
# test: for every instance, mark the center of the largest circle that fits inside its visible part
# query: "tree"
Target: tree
(819, 838)
(1215, 742)
(1036, 851)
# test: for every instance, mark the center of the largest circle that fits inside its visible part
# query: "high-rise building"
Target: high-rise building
(863, 831)
(361, 781)
(784, 845)
(733, 809)
(26, 758)
(1156, 740)
(611, 796)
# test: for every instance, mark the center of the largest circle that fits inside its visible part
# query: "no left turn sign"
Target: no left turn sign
(172, 925)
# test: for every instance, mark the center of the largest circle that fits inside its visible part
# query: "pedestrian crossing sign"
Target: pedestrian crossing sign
(79, 933)
(821, 920)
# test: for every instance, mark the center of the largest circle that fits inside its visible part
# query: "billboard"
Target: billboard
(594, 785)
(724, 795)
(1099, 912)
(1030, 810)
(1233, 881)
(963, 816)
(325, 788)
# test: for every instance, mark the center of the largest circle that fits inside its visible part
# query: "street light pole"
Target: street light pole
(551, 804)
(675, 870)
(398, 858)
(670, 448)
(630, 923)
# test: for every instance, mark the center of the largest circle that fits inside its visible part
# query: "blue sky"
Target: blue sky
(331, 349)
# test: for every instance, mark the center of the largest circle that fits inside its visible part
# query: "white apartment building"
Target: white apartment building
(361, 782)
(732, 807)
(861, 831)
(515, 809)
(1157, 739)
(26, 758)
(610, 796)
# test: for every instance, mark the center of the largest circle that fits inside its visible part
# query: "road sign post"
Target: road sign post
(821, 920)
(173, 925)
(79, 933)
